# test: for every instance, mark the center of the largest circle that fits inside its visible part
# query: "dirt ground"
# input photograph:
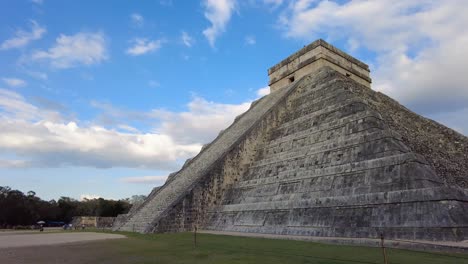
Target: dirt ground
(60, 253)
(86, 247)
(12, 240)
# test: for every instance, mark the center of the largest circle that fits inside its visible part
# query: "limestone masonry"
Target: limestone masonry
(313, 57)
(322, 155)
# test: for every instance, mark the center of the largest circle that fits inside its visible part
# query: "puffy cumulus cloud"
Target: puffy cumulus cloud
(144, 179)
(263, 91)
(38, 135)
(14, 82)
(57, 144)
(201, 123)
(218, 12)
(49, 144)
(419, 44)
(142, 46)
(74, 50)
(42, 138)
(22, 38)
(433, 81)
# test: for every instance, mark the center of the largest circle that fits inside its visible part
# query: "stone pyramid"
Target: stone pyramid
(321, 155)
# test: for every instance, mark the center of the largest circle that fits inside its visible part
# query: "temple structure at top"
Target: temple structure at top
(312, 57)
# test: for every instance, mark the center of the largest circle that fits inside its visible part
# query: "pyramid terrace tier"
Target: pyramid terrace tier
(323, 160)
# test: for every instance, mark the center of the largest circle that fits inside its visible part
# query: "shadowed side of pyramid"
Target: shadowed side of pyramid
(322, 155)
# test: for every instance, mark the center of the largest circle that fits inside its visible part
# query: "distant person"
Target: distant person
(41, 229)
(82, 226)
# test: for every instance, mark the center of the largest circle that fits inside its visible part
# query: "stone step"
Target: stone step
(174, 190)
(299, 173)
(299, 148)
(345, 125)
(427, 195)
(330, 112)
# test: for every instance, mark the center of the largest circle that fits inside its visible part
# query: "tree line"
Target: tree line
(24, 209)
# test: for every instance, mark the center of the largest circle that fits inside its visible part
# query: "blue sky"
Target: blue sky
(100, 99)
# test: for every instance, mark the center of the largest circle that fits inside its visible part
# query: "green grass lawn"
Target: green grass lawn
(179, 248)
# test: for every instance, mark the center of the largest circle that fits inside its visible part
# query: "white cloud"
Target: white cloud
(263, 91)
(89, 197)
(419, 45)
(13, 105)
(128, 128)
(22, 38)
(187, 39)
(71, 51)
(201, 123)
(144, 179)
(137, 19)
(43, 138)
(142, 46)
(38, 2)
(14, 82)
(218, 12)
(55, 144)
(250, 40)
(40, 136)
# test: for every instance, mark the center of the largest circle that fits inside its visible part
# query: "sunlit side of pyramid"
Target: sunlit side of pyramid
(322, 155)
